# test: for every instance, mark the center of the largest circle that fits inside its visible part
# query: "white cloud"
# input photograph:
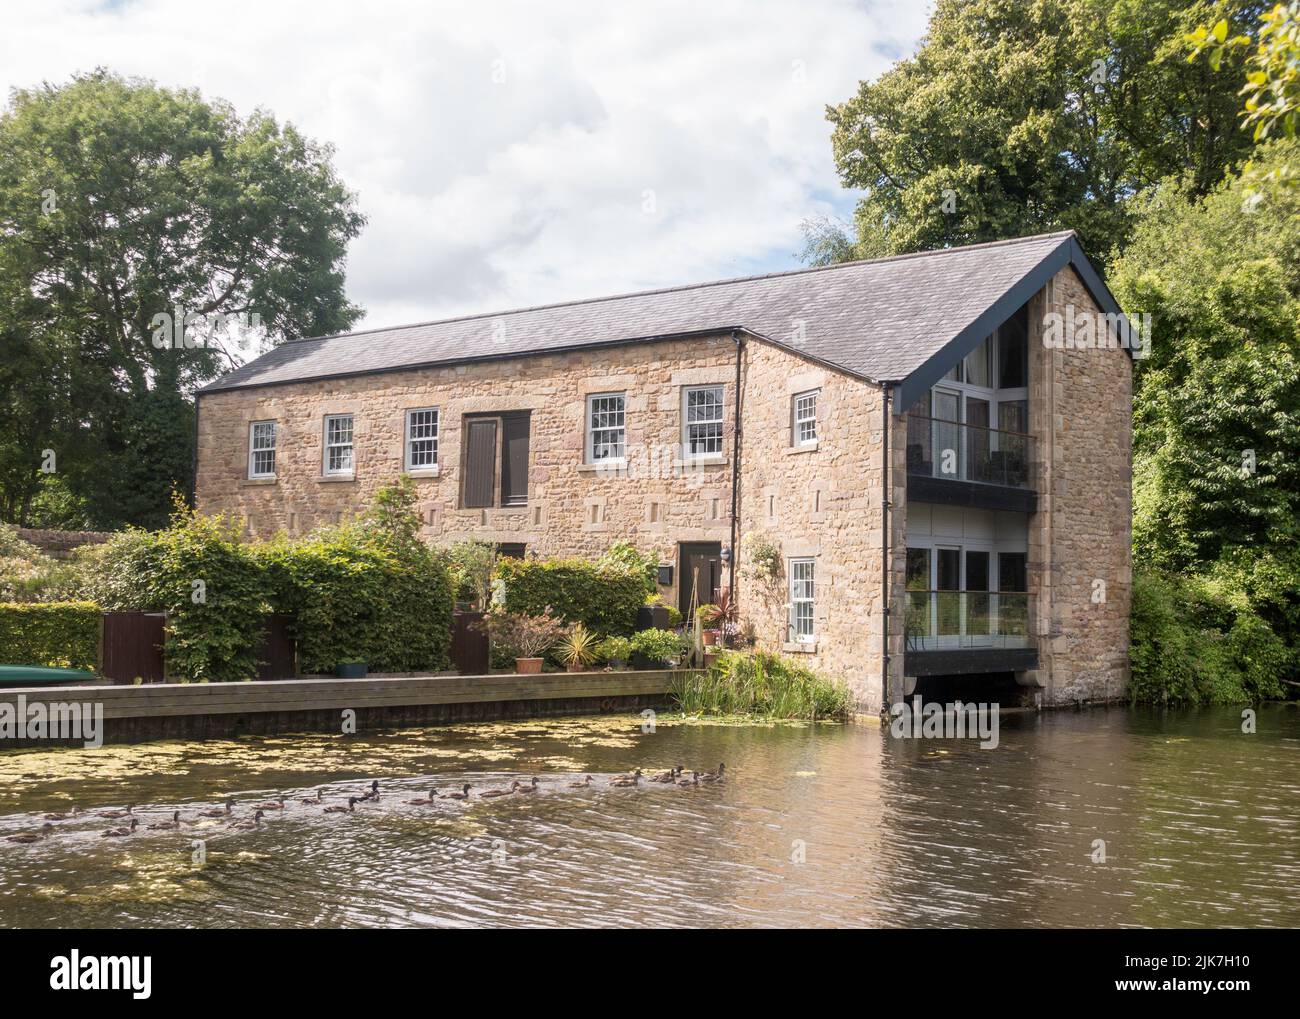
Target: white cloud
(520, 153)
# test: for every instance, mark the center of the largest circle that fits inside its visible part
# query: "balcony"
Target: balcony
(952, 632)
(953, 463)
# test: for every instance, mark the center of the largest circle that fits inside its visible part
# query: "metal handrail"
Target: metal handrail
(956, 451)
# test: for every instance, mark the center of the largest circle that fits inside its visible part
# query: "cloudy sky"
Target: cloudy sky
(509, 154)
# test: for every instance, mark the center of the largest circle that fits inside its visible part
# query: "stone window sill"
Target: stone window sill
(424, 472)
(800, 647)
(248, 482)
(328, 479)
(807, 447)
(717, 460)
(613, 468)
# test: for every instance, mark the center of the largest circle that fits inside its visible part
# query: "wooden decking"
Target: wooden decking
(190, 710)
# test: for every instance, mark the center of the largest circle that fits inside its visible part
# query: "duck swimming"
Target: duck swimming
(667, 776)
(423, 801)
(29, 837)
(218, 811)
(462, 795)
(694, 780)
(247, 825)
(714, 776)
(277, 804)
(175, 822)
(64, 817)
(374, 791)
(338, 808)
(307, 801)
(583, 784)
(119, 833)
(490, 793)
(114, 814)
(520, 787)
(626, 781)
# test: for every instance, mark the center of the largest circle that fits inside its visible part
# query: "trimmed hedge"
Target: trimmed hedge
(356, 597)
(58, 634)
(604, 596)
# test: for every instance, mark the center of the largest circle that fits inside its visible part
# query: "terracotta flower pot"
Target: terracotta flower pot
(710, 637)
(709, 658)
(528, 666)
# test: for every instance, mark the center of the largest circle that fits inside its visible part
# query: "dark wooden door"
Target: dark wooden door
(700, 563)
(480, 462)
(514, 458)
(278, 656)
(132, 647)
(469, 644)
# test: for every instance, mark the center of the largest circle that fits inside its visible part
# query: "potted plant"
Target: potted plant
(615, 651)
(706, 614)
(528, 637)
(578, 648)
(721, 617)
(658, 648)
(653, 614)
(351, 670)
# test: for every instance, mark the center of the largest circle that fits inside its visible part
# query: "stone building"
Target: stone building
(739, 429)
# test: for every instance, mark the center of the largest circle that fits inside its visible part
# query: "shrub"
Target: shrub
(615, 649)
(357, 594)
(470, 564)
(624, 553)
(659, 647)
(604, 596)
(577, 648)
(761, 684)
(29, 575)
(59, 634)
(523, 636)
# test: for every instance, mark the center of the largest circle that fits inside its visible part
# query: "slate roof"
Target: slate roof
(881, 319)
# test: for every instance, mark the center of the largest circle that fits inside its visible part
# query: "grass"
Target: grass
(767, 685)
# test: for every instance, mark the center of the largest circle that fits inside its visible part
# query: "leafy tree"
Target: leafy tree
(122, 202)
(1016, 117)
(1217, 404)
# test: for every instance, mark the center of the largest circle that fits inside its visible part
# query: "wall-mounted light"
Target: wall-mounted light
(726, 555)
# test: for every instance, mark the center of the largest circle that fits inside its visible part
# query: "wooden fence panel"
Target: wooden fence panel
(132, 646)
(469, 646)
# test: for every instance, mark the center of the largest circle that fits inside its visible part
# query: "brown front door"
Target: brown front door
(701, 575)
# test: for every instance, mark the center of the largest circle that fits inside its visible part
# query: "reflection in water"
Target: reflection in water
(1200, 825)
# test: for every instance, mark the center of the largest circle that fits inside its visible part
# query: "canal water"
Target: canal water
(815, 825)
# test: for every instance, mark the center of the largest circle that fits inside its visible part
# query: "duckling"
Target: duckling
(119, 833)
(64, 817)
(29, 837)
(307, 801)
(520, 787)
(338, 808)
(626, 781)
(277, 804)
(218, 811)
(374, 791)
(175, 822)
(583, 784)
(462, 795)
(694, 780)
(714, 776)
(423, 801)
(115, 814)
(247, 825)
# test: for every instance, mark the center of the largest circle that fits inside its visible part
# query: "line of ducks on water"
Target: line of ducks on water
(673, 776)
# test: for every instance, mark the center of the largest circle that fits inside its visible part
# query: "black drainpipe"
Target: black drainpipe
(884, 559)
(194, 459)
(735, 468)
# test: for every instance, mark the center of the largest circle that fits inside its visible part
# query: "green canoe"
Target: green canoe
(38, 675)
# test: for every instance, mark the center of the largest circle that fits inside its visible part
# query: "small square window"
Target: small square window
(261, 449)
(338, 444)
(422, 439)
(805, 418)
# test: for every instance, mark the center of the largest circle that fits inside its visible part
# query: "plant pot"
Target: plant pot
(617, 663)
(350, 670)
(710, 657)
(652, 617)
(710, 637)
(528, 666)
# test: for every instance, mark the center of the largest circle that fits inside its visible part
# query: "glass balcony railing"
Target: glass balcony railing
(944, 620)
(961, 452)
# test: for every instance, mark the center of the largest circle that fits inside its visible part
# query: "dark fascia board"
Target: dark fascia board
(1068, 252)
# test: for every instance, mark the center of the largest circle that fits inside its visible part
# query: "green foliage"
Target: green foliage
(57, 634)
(1033, 117)
(578, 647)
(356, 594)
(760, 558)
(604, 596)
(1272, 86)
(470, 564)
(659, 647)
(26, 573)
(522, 635)
(1196, 642)
(757, 683)
(120, 201)
(614, 649)
(624, 553)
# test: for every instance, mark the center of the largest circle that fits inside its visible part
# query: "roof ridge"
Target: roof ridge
(681, 287)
